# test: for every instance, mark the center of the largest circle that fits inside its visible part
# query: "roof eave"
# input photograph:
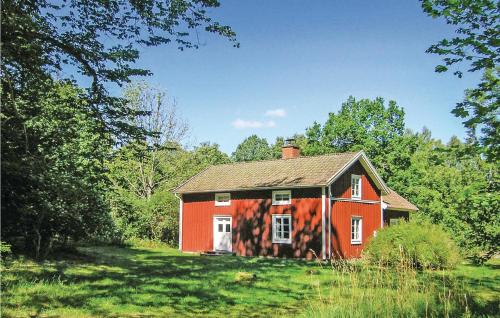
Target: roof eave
(254, 188)
(401, 209)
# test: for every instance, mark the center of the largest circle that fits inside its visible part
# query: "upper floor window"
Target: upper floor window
(222, 199)
(355, 186)
(282, 228)
(282, 197)
(356, 229)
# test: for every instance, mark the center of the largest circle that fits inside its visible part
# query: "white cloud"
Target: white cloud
(242, 124)
(278, 112)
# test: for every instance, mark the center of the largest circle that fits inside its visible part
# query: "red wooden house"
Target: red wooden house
(328, 206)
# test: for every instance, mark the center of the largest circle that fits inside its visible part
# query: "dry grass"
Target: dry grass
(357, 289)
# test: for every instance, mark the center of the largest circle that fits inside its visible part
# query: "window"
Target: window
(282, 228)
(222, 199)
(394, 221)
(355, 186)
(356, 229)
(282, 197)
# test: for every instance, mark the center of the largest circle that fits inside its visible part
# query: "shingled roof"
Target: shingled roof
(281, 173)
(396, 202)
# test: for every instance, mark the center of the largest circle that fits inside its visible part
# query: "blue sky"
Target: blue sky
(300, 60)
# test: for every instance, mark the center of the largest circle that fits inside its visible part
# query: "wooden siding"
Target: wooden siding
(342, 186)
(343, 211)
(392, 214)
(252, 217)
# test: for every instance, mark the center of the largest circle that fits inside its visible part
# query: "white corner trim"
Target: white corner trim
(181, 204)
(323, 222)
(329, 223)
(382, 212)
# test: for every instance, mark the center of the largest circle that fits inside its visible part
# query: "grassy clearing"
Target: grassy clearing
(158, 282)
(368, 291)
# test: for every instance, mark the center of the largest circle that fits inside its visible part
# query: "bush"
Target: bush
(421, 245)
(5, 249)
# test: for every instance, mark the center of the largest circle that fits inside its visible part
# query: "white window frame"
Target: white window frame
(394, 221)
(222, 203)
(282, 202)
(282, 240)
(358, 178)
(359, 239)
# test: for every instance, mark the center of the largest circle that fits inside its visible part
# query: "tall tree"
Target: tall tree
(155, 217)
(99, 40)
(252, 148)
(452, 186)
(364, 124)
(53, 181)
(140, 171)
(477, 44)
(167, 130)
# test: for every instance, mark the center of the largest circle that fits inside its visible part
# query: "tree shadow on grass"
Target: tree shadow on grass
(139, 281)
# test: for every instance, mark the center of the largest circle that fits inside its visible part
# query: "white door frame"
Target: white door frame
(215, 223)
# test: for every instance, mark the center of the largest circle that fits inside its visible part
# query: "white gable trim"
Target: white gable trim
(370, 169)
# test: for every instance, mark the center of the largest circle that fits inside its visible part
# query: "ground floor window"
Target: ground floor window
(356, 229)
(394, 221)
(282, 228)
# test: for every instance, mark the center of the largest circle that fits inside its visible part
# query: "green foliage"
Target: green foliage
(144, 172)
(480, 109)
(364, 124)
(100, 40)
(52, 167)
(153, 214)
(477, 31)
(418, 244)
(480, 226)
(99, 281)
(476, 43)
(452, 185)
(57, 137)
(251, 149)
(5, 249)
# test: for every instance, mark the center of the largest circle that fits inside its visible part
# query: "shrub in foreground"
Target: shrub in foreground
(421, 245)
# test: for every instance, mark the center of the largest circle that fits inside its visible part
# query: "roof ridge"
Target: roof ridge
(288, 159)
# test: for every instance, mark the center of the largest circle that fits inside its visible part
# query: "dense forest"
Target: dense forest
(79, 163)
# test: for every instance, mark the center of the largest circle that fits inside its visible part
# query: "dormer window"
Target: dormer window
(222, 199)
(356, 186)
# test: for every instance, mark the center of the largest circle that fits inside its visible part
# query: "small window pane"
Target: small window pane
(228, 228)
(220, 228)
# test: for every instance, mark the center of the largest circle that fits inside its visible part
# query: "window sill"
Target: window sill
(276, 203)
(223, 204)
(355, 243)
(355, 198)
(282, 242)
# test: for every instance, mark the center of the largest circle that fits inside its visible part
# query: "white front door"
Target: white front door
(223, 234)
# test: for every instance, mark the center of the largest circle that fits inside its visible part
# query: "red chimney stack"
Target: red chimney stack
(290, 150)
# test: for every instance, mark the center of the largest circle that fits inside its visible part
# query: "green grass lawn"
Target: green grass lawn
(161, 282)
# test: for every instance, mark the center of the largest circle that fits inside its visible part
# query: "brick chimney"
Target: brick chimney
(290, 150)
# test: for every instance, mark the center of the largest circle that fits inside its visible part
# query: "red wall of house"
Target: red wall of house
(343, 211)
(251, 213)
